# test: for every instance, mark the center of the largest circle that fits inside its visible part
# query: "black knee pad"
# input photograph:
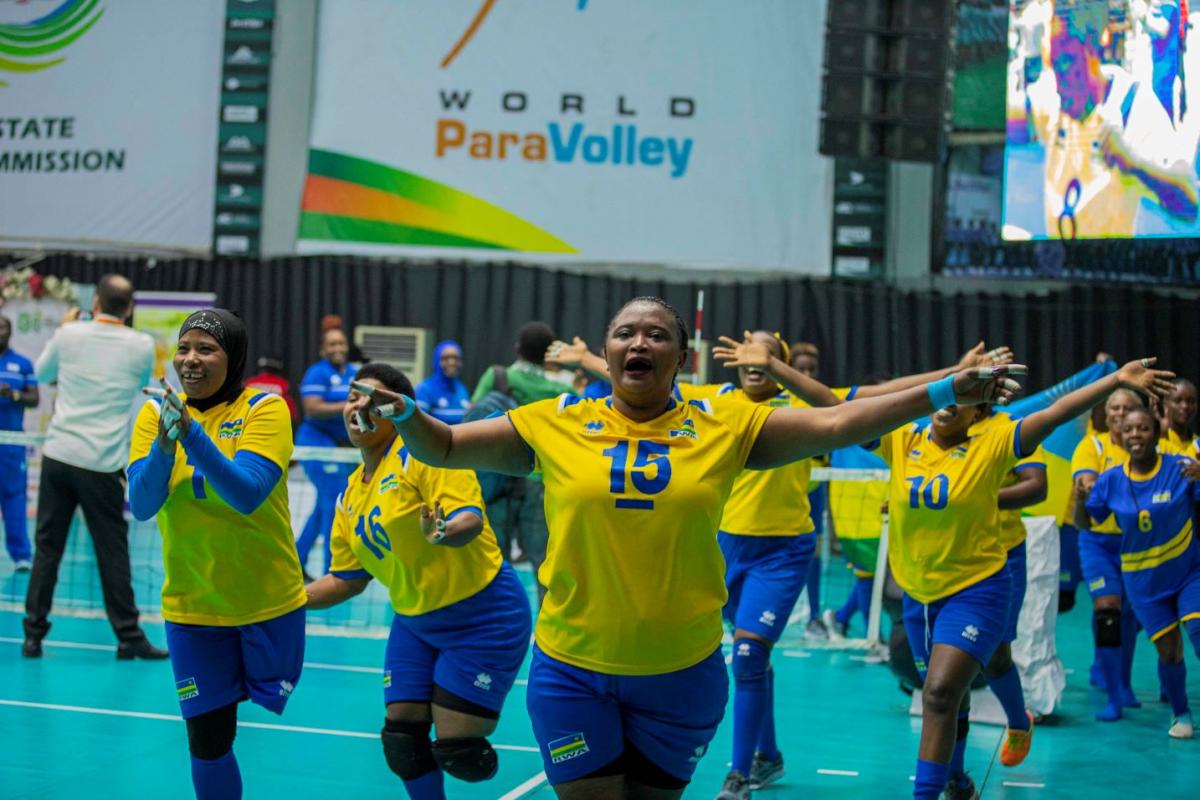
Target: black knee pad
(964, 727)
(407, 749)
(211, 734)
(1108, 627)
(468, 758)
(1066, 600)
(640, 769)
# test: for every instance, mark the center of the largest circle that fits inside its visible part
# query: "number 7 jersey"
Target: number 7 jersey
(943, 528)
(635, 577)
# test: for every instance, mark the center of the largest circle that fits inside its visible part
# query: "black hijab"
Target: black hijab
(229, 331)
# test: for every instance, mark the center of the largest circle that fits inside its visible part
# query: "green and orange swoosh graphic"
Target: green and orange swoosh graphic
(34, 46)
(350, 199)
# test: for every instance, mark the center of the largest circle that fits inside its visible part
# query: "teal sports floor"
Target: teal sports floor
(80, 724)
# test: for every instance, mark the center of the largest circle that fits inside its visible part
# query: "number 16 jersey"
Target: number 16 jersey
(635, 579)
(943, 527)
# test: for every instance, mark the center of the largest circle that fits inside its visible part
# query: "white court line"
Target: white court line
(842, 773)
(525, 788)
(797, 654)
(270, 726)
(1022, 785)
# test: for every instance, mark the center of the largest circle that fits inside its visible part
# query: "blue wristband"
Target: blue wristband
(941, 393)
(410, 408)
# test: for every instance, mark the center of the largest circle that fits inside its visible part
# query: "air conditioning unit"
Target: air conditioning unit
(405, 349)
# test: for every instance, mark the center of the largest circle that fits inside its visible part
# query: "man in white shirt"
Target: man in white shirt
(100, 366)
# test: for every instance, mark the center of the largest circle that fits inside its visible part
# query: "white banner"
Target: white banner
(108, 122)
(679, 131)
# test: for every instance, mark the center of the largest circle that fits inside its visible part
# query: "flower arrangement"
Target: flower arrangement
(25, 284)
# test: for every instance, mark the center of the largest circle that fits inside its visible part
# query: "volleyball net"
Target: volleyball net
(853, 544)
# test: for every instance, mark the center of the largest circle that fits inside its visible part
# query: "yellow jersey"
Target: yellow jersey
(686, 392)
(1012, 529)
(1173, 444)
(223, 567)
(1093, 455)
(769, 502)
(635, 578)
(943, 517)
(377, 533)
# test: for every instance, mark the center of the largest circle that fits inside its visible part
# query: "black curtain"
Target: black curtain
(862, 328)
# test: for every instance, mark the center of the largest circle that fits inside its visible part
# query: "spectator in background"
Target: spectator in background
(18, 391)
(323, 392)
(442, 394)
(353, 354)
(270, 379)
(100, 367)
(520, 512)
(806, 358)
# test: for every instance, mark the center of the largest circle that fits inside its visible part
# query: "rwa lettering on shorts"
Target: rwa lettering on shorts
(186, 689)
(567, 747)
(569, 140)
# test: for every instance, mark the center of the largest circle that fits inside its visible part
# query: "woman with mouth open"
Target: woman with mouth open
(212, 464)
(628, 685)
(1153, 498)
(462, 620)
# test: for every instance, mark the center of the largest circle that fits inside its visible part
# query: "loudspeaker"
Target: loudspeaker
(886, 88)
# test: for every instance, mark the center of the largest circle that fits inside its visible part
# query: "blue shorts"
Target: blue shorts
(764, 575)
(582, 719)
(1069, 571)
(1100, 559)
(473, 648)
(216, 665)
(1162, 611)
(1016, 570)
(974, 620)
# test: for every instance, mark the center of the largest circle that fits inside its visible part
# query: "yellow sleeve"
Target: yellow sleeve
(890, 443)
(1035, 459)
(747, 420)
(344, 564)
(535, 423)
(268, 431)
(456, 489)
(1002, 440)
(1086, 457)
(145, 431)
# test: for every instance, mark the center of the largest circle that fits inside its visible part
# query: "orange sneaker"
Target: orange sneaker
(1016, 744)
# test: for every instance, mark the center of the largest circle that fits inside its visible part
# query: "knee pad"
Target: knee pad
(964, 725)
(468, 758)
(211, 734)
(750, 660)
(1066, 600)
(1108, 627)
(407, 749)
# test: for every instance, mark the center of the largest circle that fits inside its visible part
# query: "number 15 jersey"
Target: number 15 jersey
(943, 528)
(635, 579)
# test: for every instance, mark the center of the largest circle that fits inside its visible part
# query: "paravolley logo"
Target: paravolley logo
(32, 41)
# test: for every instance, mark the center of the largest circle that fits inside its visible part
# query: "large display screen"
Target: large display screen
(1103, 120)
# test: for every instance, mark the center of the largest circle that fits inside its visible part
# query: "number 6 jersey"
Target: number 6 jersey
(635, 577)
(377, 534)
(943, 527)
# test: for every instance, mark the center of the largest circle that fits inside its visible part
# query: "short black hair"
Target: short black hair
(389, 376)
(115, 294)
(681, 329)
(533, 340)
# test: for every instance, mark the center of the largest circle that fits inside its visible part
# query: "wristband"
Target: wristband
(388, 411)
(941, 393)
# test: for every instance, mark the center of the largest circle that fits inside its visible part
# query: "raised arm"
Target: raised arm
(1136, 375)
(755, 355)
(975, 357)
(576, 355)
(791, 434)
(491, 444)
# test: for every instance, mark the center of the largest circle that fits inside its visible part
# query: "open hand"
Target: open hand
(978, 357)
(567, 356)
(746, 353)
(1140, 376)
(979, 385)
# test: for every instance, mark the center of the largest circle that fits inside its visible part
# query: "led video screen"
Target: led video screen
(1102, 120)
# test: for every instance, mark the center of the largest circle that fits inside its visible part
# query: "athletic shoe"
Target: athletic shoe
(127, 651)
(836, 629)
(1181, 727)
(1016, 744)
(962, 788)
(736, 787)
(32, 648)
(816, 630)
(765, 771)
(24, 565)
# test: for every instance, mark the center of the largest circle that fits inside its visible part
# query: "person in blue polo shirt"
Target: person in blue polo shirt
(323, 392)
(18, 391)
